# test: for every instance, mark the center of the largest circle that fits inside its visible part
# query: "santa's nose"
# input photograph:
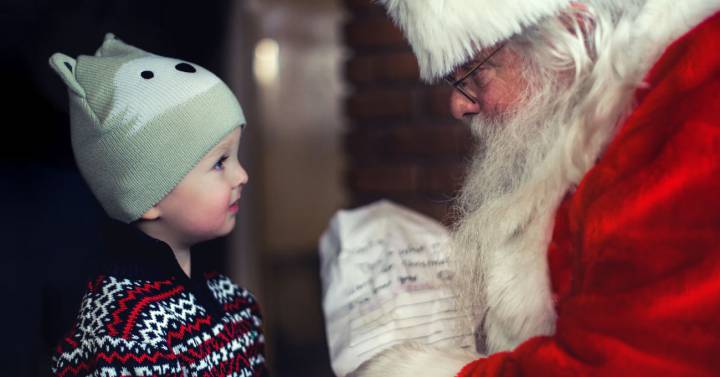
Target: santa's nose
(462, 107)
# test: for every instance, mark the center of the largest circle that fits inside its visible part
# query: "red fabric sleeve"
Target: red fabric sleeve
(644, 230)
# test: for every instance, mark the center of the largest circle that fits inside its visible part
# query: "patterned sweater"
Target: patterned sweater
(144, 317)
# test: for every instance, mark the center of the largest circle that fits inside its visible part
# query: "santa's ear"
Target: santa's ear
(152, 214)
(577, 5)
(577, 18)
(64, 66)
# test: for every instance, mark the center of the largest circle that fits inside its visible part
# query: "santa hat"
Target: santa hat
(446, 33)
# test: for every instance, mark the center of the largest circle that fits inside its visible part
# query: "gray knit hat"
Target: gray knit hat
(140, 122)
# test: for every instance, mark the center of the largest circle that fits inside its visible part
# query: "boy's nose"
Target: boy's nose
(241, 176)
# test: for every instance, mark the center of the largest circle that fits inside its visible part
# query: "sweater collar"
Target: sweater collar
(130, 253)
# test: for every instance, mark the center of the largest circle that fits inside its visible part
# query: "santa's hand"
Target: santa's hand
(415, 360)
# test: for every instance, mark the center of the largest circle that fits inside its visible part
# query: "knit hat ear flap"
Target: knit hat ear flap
(65, 68)
(112, 46)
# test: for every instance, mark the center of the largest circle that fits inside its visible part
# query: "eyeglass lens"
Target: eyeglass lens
(463, 78)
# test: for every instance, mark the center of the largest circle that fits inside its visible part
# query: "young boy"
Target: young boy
(156, 139)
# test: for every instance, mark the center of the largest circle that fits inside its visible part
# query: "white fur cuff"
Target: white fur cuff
(414, 360)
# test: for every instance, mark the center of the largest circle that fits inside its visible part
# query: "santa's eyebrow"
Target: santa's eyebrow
(477, 59)
(488, 53)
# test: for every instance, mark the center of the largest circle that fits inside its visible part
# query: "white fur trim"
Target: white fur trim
(446, 33)
(519, 295)
(414, 360)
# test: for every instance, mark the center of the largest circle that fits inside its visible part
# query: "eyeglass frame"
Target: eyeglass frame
(457, 84)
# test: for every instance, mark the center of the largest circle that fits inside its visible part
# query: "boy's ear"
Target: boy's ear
(152, 214)
(65, 68)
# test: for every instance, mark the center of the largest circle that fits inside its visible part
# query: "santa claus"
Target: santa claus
(588, 240)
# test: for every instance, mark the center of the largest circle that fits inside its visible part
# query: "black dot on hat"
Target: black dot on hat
(68, 66)
(147, 75)
(185, 67)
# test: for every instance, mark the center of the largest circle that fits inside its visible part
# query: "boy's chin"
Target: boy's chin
(228, 227)
(211, 234)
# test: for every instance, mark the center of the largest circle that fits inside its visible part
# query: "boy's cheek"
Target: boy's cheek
(210, 218)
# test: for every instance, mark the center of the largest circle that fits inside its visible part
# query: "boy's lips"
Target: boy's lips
(235, 205)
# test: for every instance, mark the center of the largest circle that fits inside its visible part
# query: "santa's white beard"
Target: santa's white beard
(507, 208)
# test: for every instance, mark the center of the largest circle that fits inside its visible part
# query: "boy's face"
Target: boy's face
(203, 205)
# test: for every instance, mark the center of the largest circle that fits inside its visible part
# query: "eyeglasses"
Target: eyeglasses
(469, 88)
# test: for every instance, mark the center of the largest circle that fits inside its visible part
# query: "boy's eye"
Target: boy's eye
(220, 164)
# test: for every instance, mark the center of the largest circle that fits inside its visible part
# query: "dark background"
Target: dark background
(50, 219)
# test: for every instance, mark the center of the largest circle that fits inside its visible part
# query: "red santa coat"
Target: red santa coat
(635, 255)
